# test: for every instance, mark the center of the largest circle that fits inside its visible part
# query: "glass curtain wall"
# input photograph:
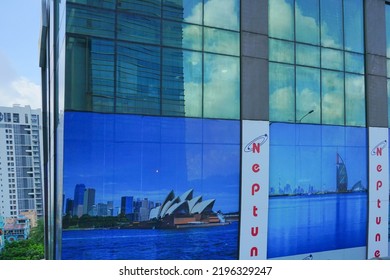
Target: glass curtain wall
(155, 57)
(317, 62)
(151, 129)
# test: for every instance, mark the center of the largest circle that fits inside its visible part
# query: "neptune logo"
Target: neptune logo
(257, 142)
(377, 150)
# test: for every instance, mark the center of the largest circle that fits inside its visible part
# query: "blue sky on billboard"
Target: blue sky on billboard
(19, 66)
(306, 155)
(147, 157)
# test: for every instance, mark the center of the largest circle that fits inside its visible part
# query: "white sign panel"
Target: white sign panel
(378, 193)
(254, 189)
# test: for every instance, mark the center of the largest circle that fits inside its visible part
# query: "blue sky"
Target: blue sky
(147, 157)
(20, 81)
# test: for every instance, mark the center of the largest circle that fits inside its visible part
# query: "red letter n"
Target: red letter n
(254, 252)
(256, 148)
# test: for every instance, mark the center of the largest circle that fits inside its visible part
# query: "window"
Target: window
(317, 62)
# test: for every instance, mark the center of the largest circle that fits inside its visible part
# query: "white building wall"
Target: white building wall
(21, 155)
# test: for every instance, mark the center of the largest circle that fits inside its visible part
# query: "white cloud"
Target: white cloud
(222, 13)
(281, 19)
(282, 104)
(16, 89)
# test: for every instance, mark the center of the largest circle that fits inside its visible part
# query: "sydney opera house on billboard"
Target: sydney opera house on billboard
(185, 211)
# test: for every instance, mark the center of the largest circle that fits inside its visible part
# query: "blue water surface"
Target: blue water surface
(297, 225)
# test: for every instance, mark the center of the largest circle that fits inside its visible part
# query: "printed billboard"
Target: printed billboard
(318, 190)
(378, 230)
(145, 187)
(254, 189)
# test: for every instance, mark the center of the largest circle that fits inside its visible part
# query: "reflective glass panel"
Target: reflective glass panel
(307, 55)
(90, 21)
(331, 24)
(222, 13)
(173, 83)
(281, 51)
(76, 86)
(332, 85)
(182, 83)
(307, 21)
(182, 35)
(179, 10)
(388, 30)
(355, 100)
(388, 97)
(388, 68)
(332, 59)
(192, 68)
(354, 62)
(102, 75)
(138, 28)
(221, 87)
(221, 41)
(308, 95)
(353, 25)
(281, 19)
(109, 4)
(282, 92)
(144, 7)
(138, 79)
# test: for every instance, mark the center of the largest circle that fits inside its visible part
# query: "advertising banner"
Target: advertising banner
(378, 193)
(254, 189)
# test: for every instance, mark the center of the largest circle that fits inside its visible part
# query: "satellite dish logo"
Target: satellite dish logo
(377, 150)
(257, 142)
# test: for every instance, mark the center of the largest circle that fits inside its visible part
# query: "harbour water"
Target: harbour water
(297, 225)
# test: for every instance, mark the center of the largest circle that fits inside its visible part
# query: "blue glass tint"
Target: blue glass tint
(90, 21)
(221, 41)
(388, 32)
(182, 35)
(108, 4)
(354, 62)
(388, 97)
(222, 14)
(138, 79)
(281, 51)
(353, 25)
(388, 68)
(355, 109)
(179, 10)
(332, 85)
(182, 83)
(143, 7)
(173, 83)
(307, 21)
(282, 92)
(331, 24)
(308, 95)
(281, 19)
(192, 83)
(332, 59)
(307, 55)
(221, 87)
(102, 75)
(76, 79)
(138, 28)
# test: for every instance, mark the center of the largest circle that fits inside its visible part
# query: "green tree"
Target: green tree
(37, 233)
(30, 249)
(22, 250)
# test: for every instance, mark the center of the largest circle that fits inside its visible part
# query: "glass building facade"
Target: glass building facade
(145, 101)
